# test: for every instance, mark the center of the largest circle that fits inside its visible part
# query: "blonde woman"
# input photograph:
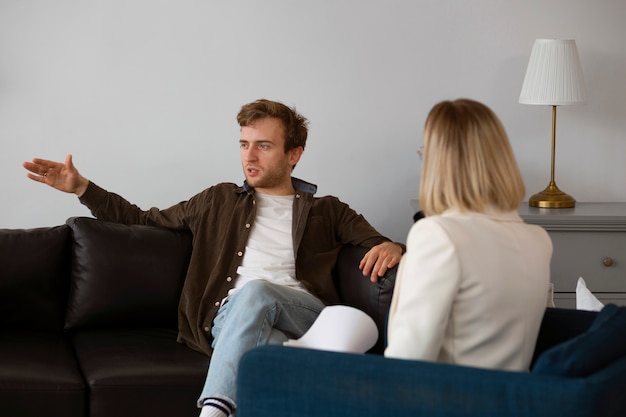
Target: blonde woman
(471, 288)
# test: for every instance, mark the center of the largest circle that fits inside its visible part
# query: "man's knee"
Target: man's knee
(256, 293)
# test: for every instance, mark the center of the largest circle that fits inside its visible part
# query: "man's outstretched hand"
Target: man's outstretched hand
(61, 176)
(379, 259)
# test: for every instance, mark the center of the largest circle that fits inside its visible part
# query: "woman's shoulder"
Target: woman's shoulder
(456, 223)
(429, 228)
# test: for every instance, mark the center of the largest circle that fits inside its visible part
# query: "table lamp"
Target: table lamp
(554, 77)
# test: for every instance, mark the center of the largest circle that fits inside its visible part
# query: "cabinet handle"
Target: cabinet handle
(607, 261)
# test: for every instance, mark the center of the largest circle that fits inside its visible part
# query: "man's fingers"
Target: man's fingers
(38, 166)
(37, 178)
(68, 162)
(378, 260)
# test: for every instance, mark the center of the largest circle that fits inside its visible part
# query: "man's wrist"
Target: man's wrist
(82, 187)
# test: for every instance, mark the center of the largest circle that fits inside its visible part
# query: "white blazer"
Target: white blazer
(471, 289)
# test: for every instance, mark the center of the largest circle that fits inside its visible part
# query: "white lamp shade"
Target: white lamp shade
(554, 75)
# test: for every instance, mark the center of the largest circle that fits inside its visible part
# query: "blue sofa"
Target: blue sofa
(579, 369)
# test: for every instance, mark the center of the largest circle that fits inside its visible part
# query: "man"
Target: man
(260, 269)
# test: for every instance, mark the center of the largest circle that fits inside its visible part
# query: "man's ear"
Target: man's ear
(294, 155)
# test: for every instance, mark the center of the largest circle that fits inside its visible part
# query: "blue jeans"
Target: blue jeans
(260, 313)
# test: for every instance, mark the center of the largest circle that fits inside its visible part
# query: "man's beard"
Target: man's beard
(270, 178)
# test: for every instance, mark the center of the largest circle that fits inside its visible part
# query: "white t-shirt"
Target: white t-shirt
(269, 252)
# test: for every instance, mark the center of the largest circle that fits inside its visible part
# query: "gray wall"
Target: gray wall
(144, 93)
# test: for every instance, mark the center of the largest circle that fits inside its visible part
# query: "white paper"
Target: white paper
(339, 329)
(585, 300)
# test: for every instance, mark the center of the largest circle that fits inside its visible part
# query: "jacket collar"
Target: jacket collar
(298, 184)
(490, 212)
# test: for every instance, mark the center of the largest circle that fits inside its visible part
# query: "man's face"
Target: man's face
(265, 164)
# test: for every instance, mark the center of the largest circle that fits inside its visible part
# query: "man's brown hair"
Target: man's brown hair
(295, 125)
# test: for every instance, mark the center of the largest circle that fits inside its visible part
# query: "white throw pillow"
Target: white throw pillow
(585, 300)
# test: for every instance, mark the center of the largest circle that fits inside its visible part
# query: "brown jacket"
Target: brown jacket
(220, 220)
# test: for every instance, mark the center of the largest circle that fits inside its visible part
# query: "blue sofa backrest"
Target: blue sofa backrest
(601, 344)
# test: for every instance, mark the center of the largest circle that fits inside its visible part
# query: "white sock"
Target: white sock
(216, 407)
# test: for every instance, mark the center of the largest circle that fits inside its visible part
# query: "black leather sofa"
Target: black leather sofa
(88, 312)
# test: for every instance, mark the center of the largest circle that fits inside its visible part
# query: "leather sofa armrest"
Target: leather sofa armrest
(358, 291)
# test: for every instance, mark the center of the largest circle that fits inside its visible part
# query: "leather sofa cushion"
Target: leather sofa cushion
(34, 271)
(39, 375)
(140, 372)
(125, 276)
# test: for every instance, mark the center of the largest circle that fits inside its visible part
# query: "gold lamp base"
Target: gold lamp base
(552, 197)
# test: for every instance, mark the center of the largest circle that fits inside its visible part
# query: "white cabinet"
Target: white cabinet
(590, 242)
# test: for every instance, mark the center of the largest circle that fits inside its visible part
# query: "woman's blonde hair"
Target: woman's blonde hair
(468, 161)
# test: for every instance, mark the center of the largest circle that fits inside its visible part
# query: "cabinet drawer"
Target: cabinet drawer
(581, 254)
(568, 300)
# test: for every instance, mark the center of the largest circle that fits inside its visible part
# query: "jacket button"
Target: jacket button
(229, 279)
(207, 328)
(217, 304)
(247, 225)
(240, 253)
